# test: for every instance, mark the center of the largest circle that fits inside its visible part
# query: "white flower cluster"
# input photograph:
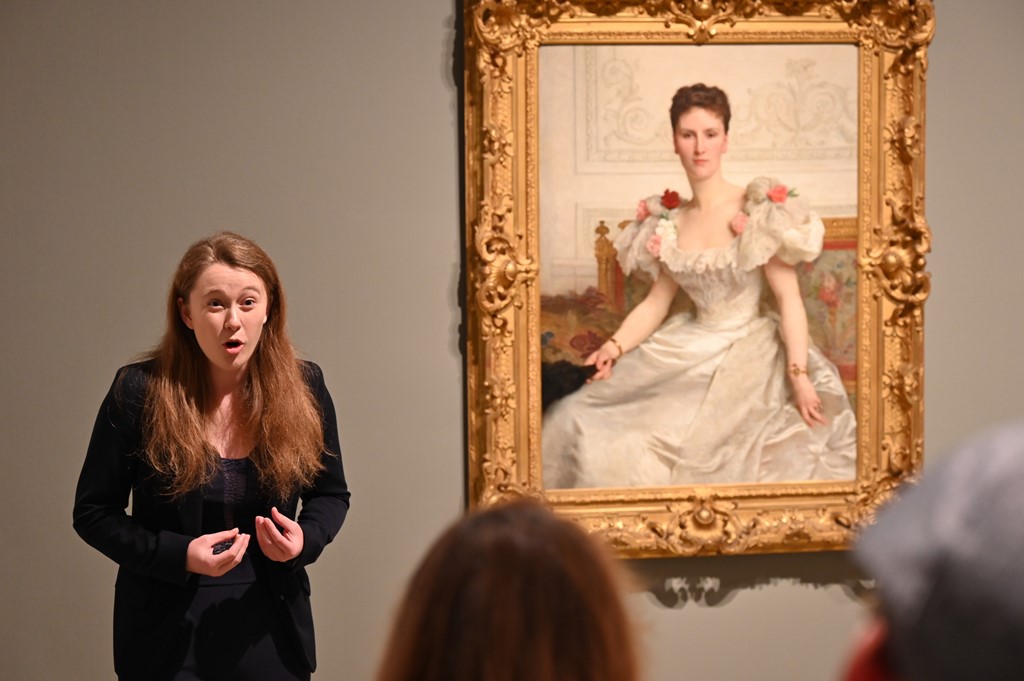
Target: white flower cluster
(666, 228)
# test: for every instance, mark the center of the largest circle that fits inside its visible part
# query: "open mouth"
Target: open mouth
(233, 344)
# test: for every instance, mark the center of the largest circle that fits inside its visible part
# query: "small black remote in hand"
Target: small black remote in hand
(221, 547)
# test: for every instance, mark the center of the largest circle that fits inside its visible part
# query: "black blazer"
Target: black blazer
(153, 590)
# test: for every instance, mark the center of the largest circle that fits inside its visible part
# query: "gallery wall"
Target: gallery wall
(328, 131)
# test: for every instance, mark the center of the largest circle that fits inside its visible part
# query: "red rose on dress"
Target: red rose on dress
(779, 193)
(670, 199)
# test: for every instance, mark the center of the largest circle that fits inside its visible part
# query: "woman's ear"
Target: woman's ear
(184, 312)
(869, 660)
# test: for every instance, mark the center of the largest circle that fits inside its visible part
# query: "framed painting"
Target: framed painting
(696, 444)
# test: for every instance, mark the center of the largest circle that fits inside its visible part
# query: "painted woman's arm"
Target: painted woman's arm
(637, 326)
(784, 284)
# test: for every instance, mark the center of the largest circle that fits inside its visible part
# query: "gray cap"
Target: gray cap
(948, 559)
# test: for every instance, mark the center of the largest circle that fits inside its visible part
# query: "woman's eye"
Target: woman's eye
(215, 303)
(249, 302)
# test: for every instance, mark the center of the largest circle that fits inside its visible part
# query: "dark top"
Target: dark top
(153, 589)
(232, 499)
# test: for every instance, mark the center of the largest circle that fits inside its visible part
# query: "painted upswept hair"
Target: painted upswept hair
(700, 96)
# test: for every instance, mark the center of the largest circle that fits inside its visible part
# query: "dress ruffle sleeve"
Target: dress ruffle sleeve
(633, 244)
(778, 224)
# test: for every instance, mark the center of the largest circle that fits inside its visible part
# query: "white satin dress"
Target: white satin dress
(705, 399)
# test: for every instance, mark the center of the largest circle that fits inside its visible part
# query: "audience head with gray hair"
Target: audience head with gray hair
(948, 561)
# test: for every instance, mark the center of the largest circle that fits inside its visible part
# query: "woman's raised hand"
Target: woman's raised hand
(807, 401)
(215, 554)
(280, 545)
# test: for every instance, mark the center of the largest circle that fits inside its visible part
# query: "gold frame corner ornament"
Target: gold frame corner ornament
(502, 40)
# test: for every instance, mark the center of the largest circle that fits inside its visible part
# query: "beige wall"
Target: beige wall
(330, 135)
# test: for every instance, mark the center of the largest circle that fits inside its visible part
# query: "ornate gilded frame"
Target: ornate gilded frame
(502, 39)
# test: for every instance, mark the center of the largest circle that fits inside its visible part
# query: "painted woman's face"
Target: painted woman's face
(700, 141)
(226, 308)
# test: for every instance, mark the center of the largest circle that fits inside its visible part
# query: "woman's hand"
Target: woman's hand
(278, 545)
(215, 554)
(604, 358)
(807, 401)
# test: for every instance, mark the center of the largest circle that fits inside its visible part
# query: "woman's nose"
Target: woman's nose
(231, 320)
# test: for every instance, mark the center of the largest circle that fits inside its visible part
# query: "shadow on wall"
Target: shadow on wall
(715, 580)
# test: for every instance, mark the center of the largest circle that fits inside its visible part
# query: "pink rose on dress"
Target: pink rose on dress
(642, 211)
(779, 193)
(738, 223)
(653, 245)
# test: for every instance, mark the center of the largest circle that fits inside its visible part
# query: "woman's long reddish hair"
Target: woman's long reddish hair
(513, 593)
(278, 412)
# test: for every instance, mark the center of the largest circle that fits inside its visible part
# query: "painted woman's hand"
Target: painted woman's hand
(807, 401)
(604, 358)
(215, 554)
(279, 545)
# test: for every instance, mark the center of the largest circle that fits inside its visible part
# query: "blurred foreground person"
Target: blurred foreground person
(947, 558)
(513, 593)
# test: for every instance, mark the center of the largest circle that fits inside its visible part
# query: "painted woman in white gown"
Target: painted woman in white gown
(733, 393)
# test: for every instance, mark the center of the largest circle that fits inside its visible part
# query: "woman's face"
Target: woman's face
(226, 308)
(700, 141)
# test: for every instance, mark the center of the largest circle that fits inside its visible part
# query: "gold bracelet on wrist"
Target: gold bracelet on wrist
(617, 345)
(795, 370)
